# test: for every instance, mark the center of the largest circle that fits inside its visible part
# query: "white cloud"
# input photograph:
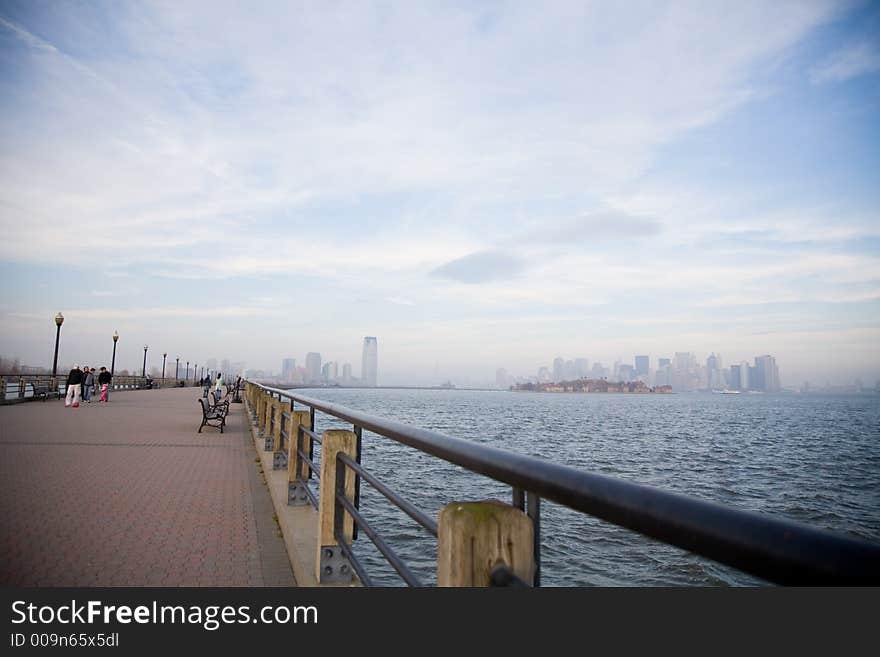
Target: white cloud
(849, 62)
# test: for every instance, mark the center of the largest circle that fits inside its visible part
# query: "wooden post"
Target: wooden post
(296, 496)
(331, 565)
(263, 405)
(475, 537)
(272, 409)
(277, 440)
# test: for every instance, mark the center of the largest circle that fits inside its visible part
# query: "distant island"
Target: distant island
(591, 385)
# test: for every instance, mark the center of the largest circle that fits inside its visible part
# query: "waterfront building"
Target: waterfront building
(642, 365)
(580, 368)
(288, 367)
(597, 371)
(625, 373)
(370, 362)
(313, 367)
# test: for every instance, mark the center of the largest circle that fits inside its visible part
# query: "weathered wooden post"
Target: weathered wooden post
(278, 457)
(272, 408)
(297, 470)
(475, 537)
(332, 565)
(262, 398)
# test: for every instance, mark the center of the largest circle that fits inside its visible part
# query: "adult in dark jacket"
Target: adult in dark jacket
(88, 384)
(74, 386)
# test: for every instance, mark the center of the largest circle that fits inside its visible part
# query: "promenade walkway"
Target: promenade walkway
(128, 494)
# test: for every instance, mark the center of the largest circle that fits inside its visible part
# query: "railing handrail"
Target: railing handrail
(778, 550)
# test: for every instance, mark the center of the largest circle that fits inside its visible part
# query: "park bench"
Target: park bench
(215, 414)
(41, 391)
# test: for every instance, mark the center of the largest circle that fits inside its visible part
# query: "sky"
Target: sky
(478, 185)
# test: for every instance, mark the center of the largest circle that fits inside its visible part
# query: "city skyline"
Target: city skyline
(506, 186)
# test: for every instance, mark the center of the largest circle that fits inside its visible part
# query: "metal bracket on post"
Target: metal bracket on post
(335, 566)
(279, 461)
(270, 442)
(296, 494)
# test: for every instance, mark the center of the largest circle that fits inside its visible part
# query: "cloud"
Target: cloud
(849, 62)
(593, 227)
(482, 267)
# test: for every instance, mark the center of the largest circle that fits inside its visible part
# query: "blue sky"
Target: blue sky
(479, 186)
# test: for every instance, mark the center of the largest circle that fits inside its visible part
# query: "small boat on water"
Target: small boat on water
(727, 392)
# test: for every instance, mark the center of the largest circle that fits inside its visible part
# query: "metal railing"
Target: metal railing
(776, 550)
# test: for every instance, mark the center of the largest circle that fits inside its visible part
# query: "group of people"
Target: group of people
(217, 385)
(81, 384)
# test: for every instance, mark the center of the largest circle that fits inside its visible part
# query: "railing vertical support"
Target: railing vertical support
(534, 512)
(475, 537)
(359, 433)
(296, 494)
(331, 564)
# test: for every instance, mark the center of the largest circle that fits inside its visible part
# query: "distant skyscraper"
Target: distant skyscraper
(663, 362)
(580, 368)
(369, 362)
(543, 375)
(625, 372)
(330, 372)
(346, 373)
(714, 374)
(642, 365)
(288, 367)
(501, 378)
(736, 377)
(766, 374)
(558, 369)
(313, 367)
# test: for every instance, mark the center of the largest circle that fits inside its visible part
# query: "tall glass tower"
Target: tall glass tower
(369, 362)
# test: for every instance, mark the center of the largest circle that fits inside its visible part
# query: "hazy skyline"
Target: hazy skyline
(478, 186)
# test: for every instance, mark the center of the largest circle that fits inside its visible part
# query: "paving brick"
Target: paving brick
(128, 494)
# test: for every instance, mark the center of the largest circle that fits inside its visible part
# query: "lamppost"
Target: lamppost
(59, 320)
(113, 362)
(145, 361)
(163, 367)
(195, 369)
(186, 378)
(177, 369)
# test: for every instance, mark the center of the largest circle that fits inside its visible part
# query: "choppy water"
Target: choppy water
(811, 459)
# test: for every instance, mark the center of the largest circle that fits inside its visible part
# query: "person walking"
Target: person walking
(88, 384)
(74, 386)
(104, 379)
(218, 387)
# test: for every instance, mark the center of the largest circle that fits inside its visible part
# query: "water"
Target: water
(812, 459)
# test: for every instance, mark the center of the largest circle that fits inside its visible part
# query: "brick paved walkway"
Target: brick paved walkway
(128, 494)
